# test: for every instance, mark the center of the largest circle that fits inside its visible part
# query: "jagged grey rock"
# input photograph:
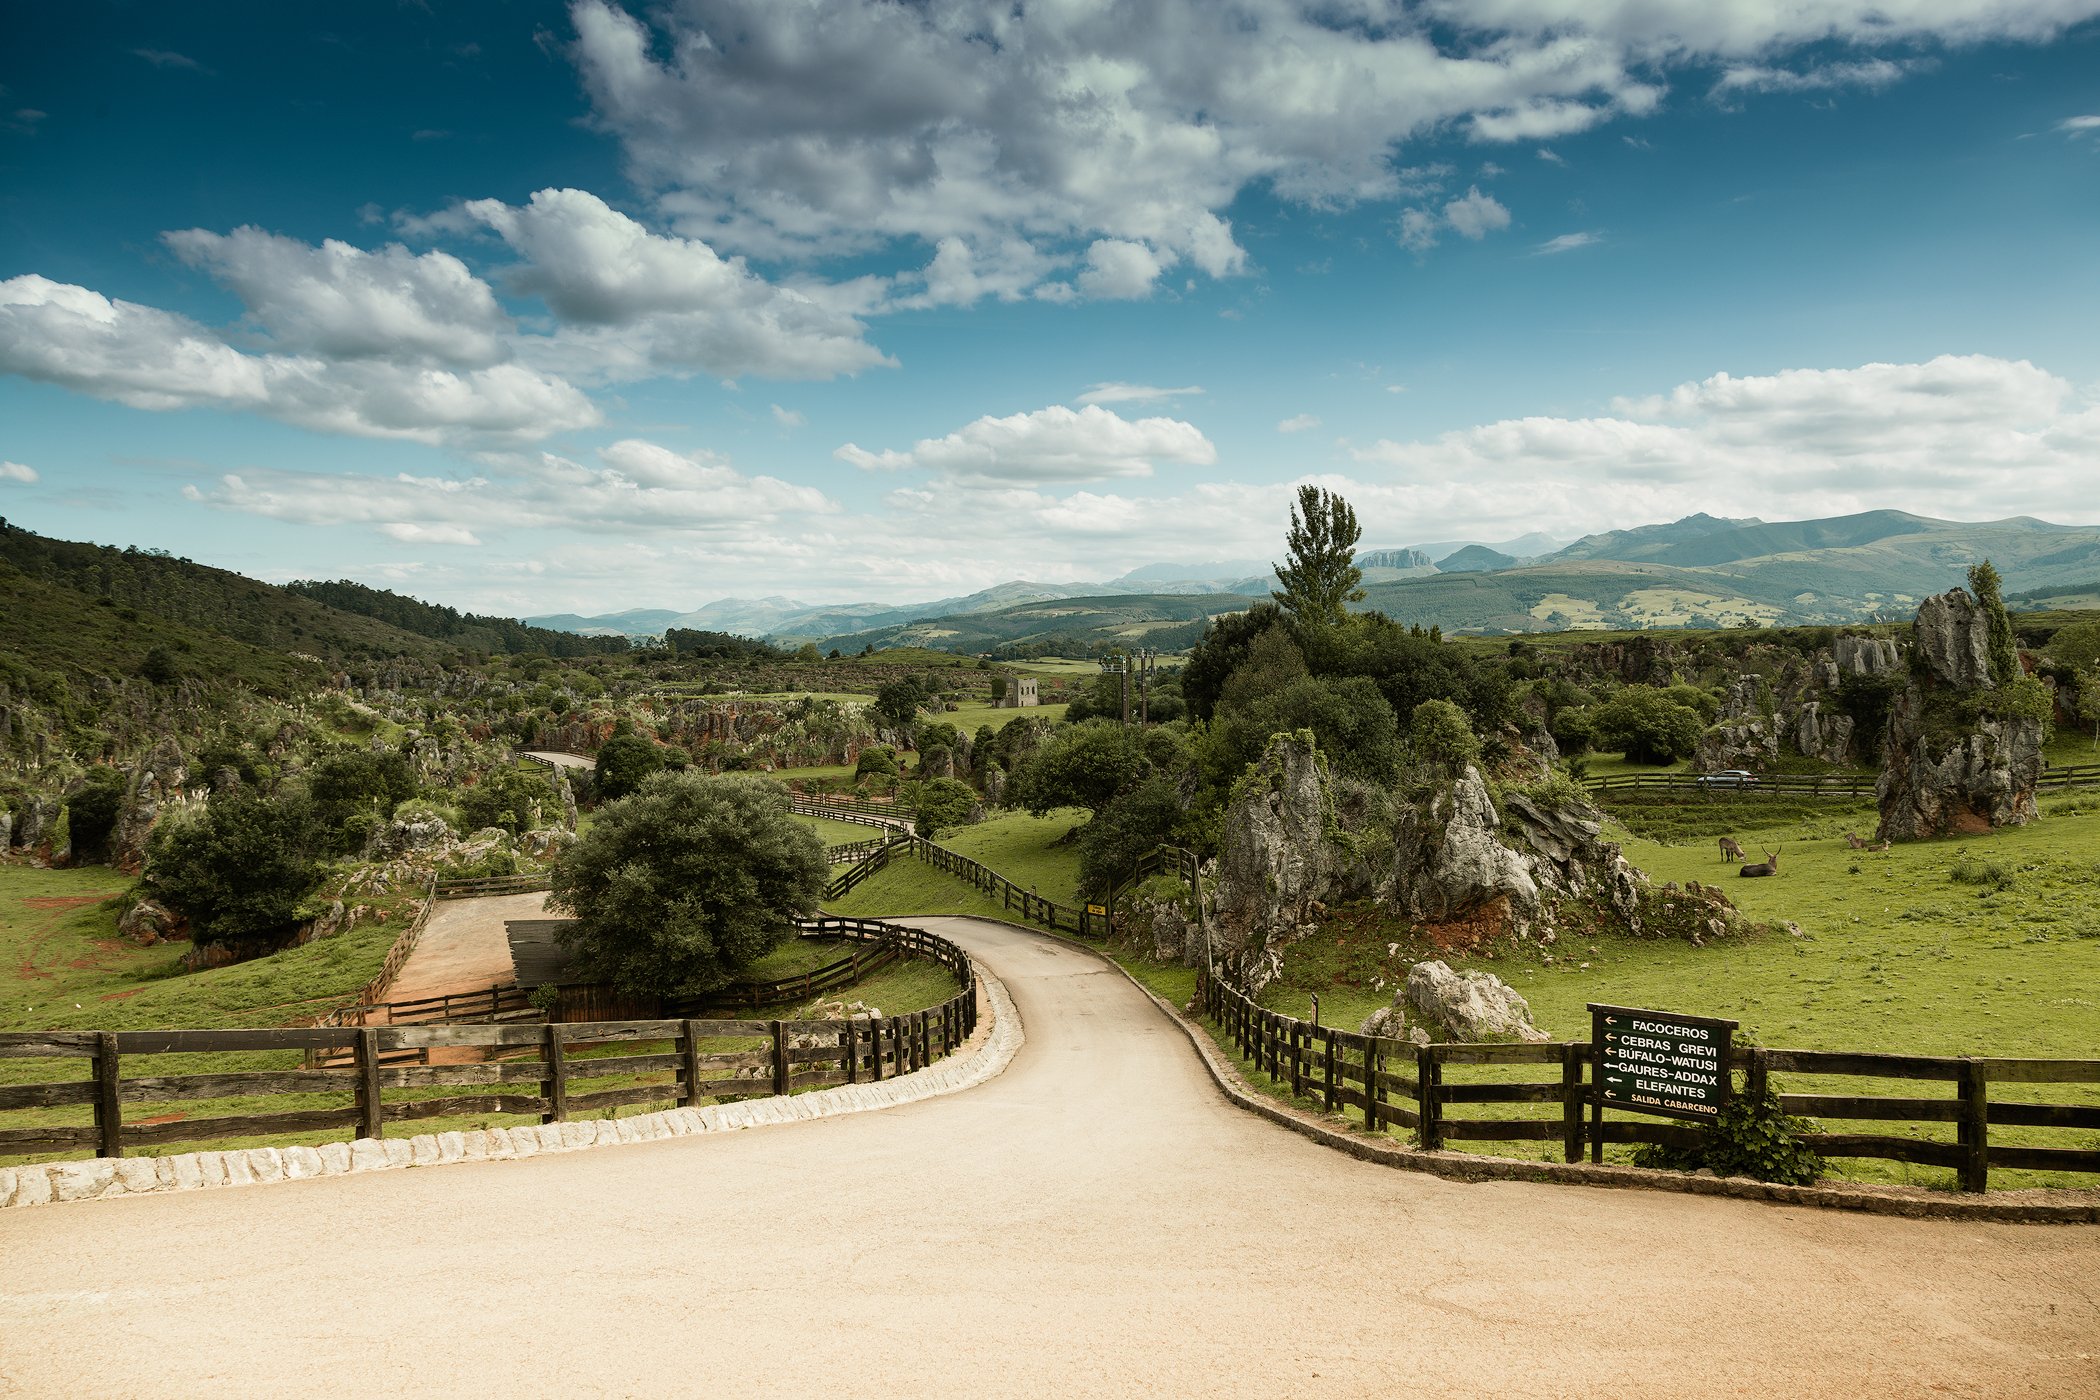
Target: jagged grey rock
(1943, 774)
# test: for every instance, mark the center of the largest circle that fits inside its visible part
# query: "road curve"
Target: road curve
(1095, 1221)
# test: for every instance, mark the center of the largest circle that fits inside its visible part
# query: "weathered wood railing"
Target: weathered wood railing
(552, 1071)
(833, 976)
(851, 809)
(1397, 1084)
(477, 887)
(1803, 784)
(1759, 785)
(853, 852)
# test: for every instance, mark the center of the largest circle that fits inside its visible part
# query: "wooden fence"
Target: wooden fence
(853, 852)
(852, 809)
(553, 1071)
(483, 885)
(1847, 785)
(1397, 1084)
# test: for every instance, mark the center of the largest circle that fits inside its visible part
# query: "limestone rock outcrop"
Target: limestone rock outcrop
(1437, 1005)
(1454, 862)
(1276, 858)
(1956, 761)
(156, 784)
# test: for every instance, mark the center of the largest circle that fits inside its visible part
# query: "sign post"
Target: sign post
(1656, 1062)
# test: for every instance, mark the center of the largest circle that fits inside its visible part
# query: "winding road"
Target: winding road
(1096, 1220)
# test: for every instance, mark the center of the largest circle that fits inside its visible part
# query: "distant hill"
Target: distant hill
(1475, 559)
(1067, 626)
(1702, 571)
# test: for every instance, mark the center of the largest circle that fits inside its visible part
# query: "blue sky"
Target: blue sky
(544, 307)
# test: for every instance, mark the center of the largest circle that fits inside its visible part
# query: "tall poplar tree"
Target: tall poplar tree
(1320, 579)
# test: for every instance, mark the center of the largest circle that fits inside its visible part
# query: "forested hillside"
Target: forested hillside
(472, 631)
(195, 595)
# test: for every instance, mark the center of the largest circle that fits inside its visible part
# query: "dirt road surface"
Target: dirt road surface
(463, 947)
(1096, 1221)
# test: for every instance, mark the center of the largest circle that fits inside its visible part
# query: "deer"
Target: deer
(1769, 867)
(1730, 851)
(1856, 841)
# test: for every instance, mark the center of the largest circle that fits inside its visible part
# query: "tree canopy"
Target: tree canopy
(238, 870)
(678, 888)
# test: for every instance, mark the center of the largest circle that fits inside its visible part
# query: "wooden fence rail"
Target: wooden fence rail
(1851, 785)
(1397, 1084)
(854, 852)
(552, 1070)
(481, 885)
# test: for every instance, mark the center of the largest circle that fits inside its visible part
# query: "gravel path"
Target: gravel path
(1097, 1220)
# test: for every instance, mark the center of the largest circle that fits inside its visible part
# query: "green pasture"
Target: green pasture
(837, 833)
(969, 718)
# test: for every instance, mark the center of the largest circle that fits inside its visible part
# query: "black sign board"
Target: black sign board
(1659, 1062)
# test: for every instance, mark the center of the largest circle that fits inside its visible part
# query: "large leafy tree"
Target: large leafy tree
(1647, 725)
(625, 762)
(677, 889)
(1081, 765)
(239, 869)
(1320, 580)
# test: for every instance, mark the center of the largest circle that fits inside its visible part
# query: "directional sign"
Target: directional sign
(1659, 1061)
(1097, 909)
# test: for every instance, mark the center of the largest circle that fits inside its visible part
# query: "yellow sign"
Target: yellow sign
(1097, 909)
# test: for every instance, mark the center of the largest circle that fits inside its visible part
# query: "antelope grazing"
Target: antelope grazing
(1730, 850)
(1856, 841)
(1769, 867)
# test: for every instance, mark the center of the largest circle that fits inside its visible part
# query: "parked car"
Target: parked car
(1728, 778)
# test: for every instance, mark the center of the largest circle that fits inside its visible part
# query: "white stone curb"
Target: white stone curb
(102, 1178)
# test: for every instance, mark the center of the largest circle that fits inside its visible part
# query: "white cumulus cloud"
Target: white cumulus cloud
(152, 359)
(1298, 423)
(15, 471)
(1015, 138)
(1055, 444)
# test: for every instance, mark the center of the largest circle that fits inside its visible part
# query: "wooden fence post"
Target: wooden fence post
(1427, 1072)
(109, 1103)
(1327, 1070)
(556, 1084)
(1975, 1126)
(690, 1048)
(1296, 1031)
(780, 1059)
(371, 1113)
(1571, 1100)
(1374, 1106)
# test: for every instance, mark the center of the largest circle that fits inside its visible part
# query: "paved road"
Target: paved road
(1095, 1221)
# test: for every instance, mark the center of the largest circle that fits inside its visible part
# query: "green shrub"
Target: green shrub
(1751, 1136)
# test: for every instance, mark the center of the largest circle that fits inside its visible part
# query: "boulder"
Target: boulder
(418, 834)
(149, 922)
(1438, 1005)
